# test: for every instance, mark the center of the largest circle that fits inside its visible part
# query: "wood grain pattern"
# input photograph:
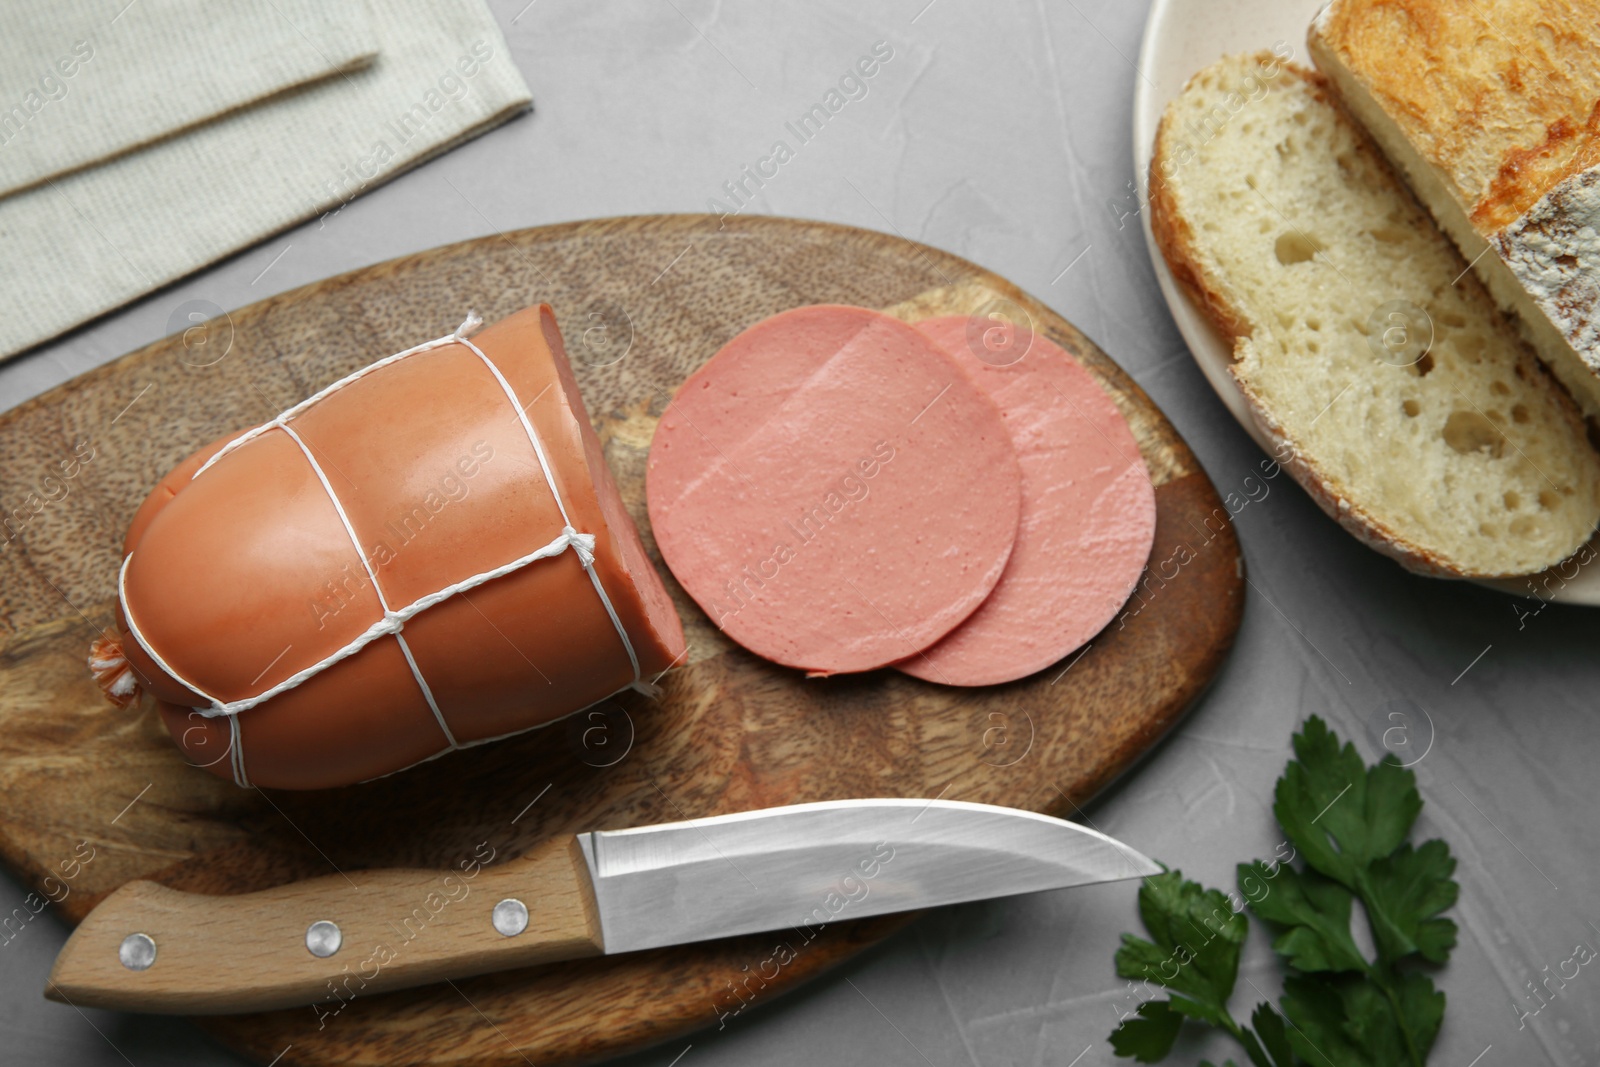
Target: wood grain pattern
(730, 732)
(383, 923)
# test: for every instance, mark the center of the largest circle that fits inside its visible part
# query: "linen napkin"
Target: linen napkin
(83, 82)
(77, 246)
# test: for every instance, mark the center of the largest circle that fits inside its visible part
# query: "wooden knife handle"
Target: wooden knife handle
(396, 928)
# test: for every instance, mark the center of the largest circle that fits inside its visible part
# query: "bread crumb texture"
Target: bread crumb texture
(1395, 391)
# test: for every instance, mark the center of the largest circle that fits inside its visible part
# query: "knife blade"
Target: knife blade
(799, 868)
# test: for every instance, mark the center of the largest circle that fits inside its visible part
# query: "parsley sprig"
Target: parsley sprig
(1349, 823)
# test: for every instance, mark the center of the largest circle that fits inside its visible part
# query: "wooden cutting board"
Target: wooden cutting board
(91, 797)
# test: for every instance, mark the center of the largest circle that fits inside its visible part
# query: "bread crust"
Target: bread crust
(1503, 101)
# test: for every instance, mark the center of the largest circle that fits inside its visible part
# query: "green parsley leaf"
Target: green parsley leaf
(1339, 813)
(1314, 910)
(1421, 1010)
(1346, 1021)
(1349, 822)
(1148, 1036)
(1321, 1031)
(1274, 1035)
(1404, 893)
(1195, 952)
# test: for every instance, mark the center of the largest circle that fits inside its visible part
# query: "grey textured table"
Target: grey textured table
(1000, 132)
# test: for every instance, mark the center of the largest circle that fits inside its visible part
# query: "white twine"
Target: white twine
(391, 623)
(372, 576)
(393, 620)
(472, 322)
(585, 557)
(236, 752)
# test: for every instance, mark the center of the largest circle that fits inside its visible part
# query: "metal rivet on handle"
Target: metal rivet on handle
(137, 952)
(510, 917)
(323, 938)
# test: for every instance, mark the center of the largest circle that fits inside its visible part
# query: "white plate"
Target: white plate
(1181, 38)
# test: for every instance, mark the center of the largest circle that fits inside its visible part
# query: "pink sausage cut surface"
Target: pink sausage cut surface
(1088, 509)
(834, 490)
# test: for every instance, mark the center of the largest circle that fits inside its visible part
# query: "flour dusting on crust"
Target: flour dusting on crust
(1554, 250)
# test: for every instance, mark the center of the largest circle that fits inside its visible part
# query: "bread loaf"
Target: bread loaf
(1394, 390)
(1491, 111)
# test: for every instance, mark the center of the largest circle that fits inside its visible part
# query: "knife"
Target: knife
(796, 869)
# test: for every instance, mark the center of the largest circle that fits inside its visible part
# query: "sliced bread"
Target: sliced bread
(1491, 111)
(1393, 389)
